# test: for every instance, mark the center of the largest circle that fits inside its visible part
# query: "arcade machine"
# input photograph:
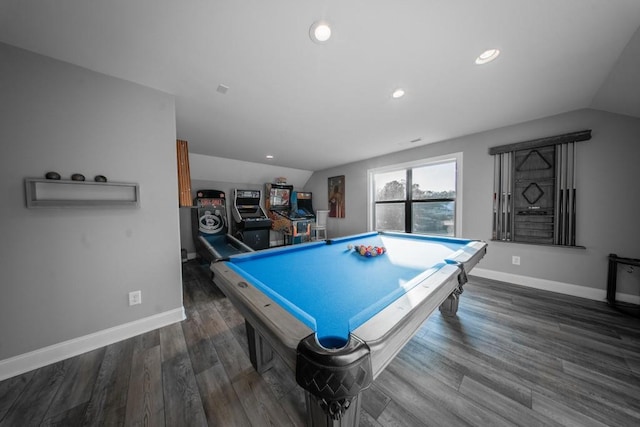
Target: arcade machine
(252, 225)
(281, 206)
(210, 230)
(305, 205)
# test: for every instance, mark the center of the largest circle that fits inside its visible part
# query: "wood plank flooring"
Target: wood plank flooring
(512, 356)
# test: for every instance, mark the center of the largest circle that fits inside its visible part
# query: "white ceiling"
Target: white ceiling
(315, 106)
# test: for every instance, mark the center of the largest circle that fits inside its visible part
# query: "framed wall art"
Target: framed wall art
(336, 197)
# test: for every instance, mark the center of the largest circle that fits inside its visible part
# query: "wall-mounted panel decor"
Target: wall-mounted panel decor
(534, 195)
(336, 197)
(184, 174)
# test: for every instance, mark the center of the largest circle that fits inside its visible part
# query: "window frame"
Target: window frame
(432, 161)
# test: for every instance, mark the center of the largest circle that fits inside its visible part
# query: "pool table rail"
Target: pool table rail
(469, 255)
(280, 328)
(388, 331)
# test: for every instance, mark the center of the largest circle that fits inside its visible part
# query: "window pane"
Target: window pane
(436, 181)
(390, 217)
(433, 218)
(390, 185)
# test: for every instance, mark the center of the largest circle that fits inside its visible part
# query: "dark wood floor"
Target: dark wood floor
(512, 356)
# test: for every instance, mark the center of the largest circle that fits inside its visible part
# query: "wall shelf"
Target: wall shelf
(48, 193)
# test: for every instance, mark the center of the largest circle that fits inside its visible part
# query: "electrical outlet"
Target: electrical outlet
(515, 260)
(135, 297)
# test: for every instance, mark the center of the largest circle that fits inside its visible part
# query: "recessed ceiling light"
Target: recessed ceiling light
(320, 32)
(487, 56)
(398, 93)
(269, 156)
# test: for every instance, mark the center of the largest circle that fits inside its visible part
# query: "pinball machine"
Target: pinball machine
(282, 207)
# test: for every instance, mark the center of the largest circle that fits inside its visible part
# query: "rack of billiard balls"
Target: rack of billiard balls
(368, 251)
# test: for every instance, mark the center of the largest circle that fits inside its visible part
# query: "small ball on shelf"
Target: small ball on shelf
(52, 175)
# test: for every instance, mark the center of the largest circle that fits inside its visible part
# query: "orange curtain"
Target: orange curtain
(184, 175)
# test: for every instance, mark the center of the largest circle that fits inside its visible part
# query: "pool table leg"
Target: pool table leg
(317, 417)
(260, 351)
(449, 307)
(333, 380)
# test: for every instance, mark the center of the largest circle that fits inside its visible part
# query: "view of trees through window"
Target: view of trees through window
(429, 208)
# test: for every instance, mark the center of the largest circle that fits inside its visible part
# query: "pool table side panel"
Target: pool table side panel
(276, 325)
(388, 331)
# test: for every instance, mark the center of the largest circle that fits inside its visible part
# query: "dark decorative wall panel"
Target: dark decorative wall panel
(534, 198)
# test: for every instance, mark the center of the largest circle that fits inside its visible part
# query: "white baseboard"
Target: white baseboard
(632, 299)
(550, 285)
(54, 353)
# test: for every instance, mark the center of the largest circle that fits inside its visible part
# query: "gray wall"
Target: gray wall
(608, 198)
(66, 273)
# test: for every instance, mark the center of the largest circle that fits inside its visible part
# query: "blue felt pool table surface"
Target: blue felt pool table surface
(333, 289)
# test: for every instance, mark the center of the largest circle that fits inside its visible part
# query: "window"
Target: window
(418, 197)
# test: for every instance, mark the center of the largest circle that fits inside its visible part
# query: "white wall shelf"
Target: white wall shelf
(48, 193)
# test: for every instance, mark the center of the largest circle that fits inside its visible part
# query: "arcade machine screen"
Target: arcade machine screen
(279, 198)
(305, 205)
(247, 205)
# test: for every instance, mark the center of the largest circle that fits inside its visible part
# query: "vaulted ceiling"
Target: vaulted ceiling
(314, 106)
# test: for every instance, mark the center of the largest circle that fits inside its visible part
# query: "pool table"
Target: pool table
(337, 317)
